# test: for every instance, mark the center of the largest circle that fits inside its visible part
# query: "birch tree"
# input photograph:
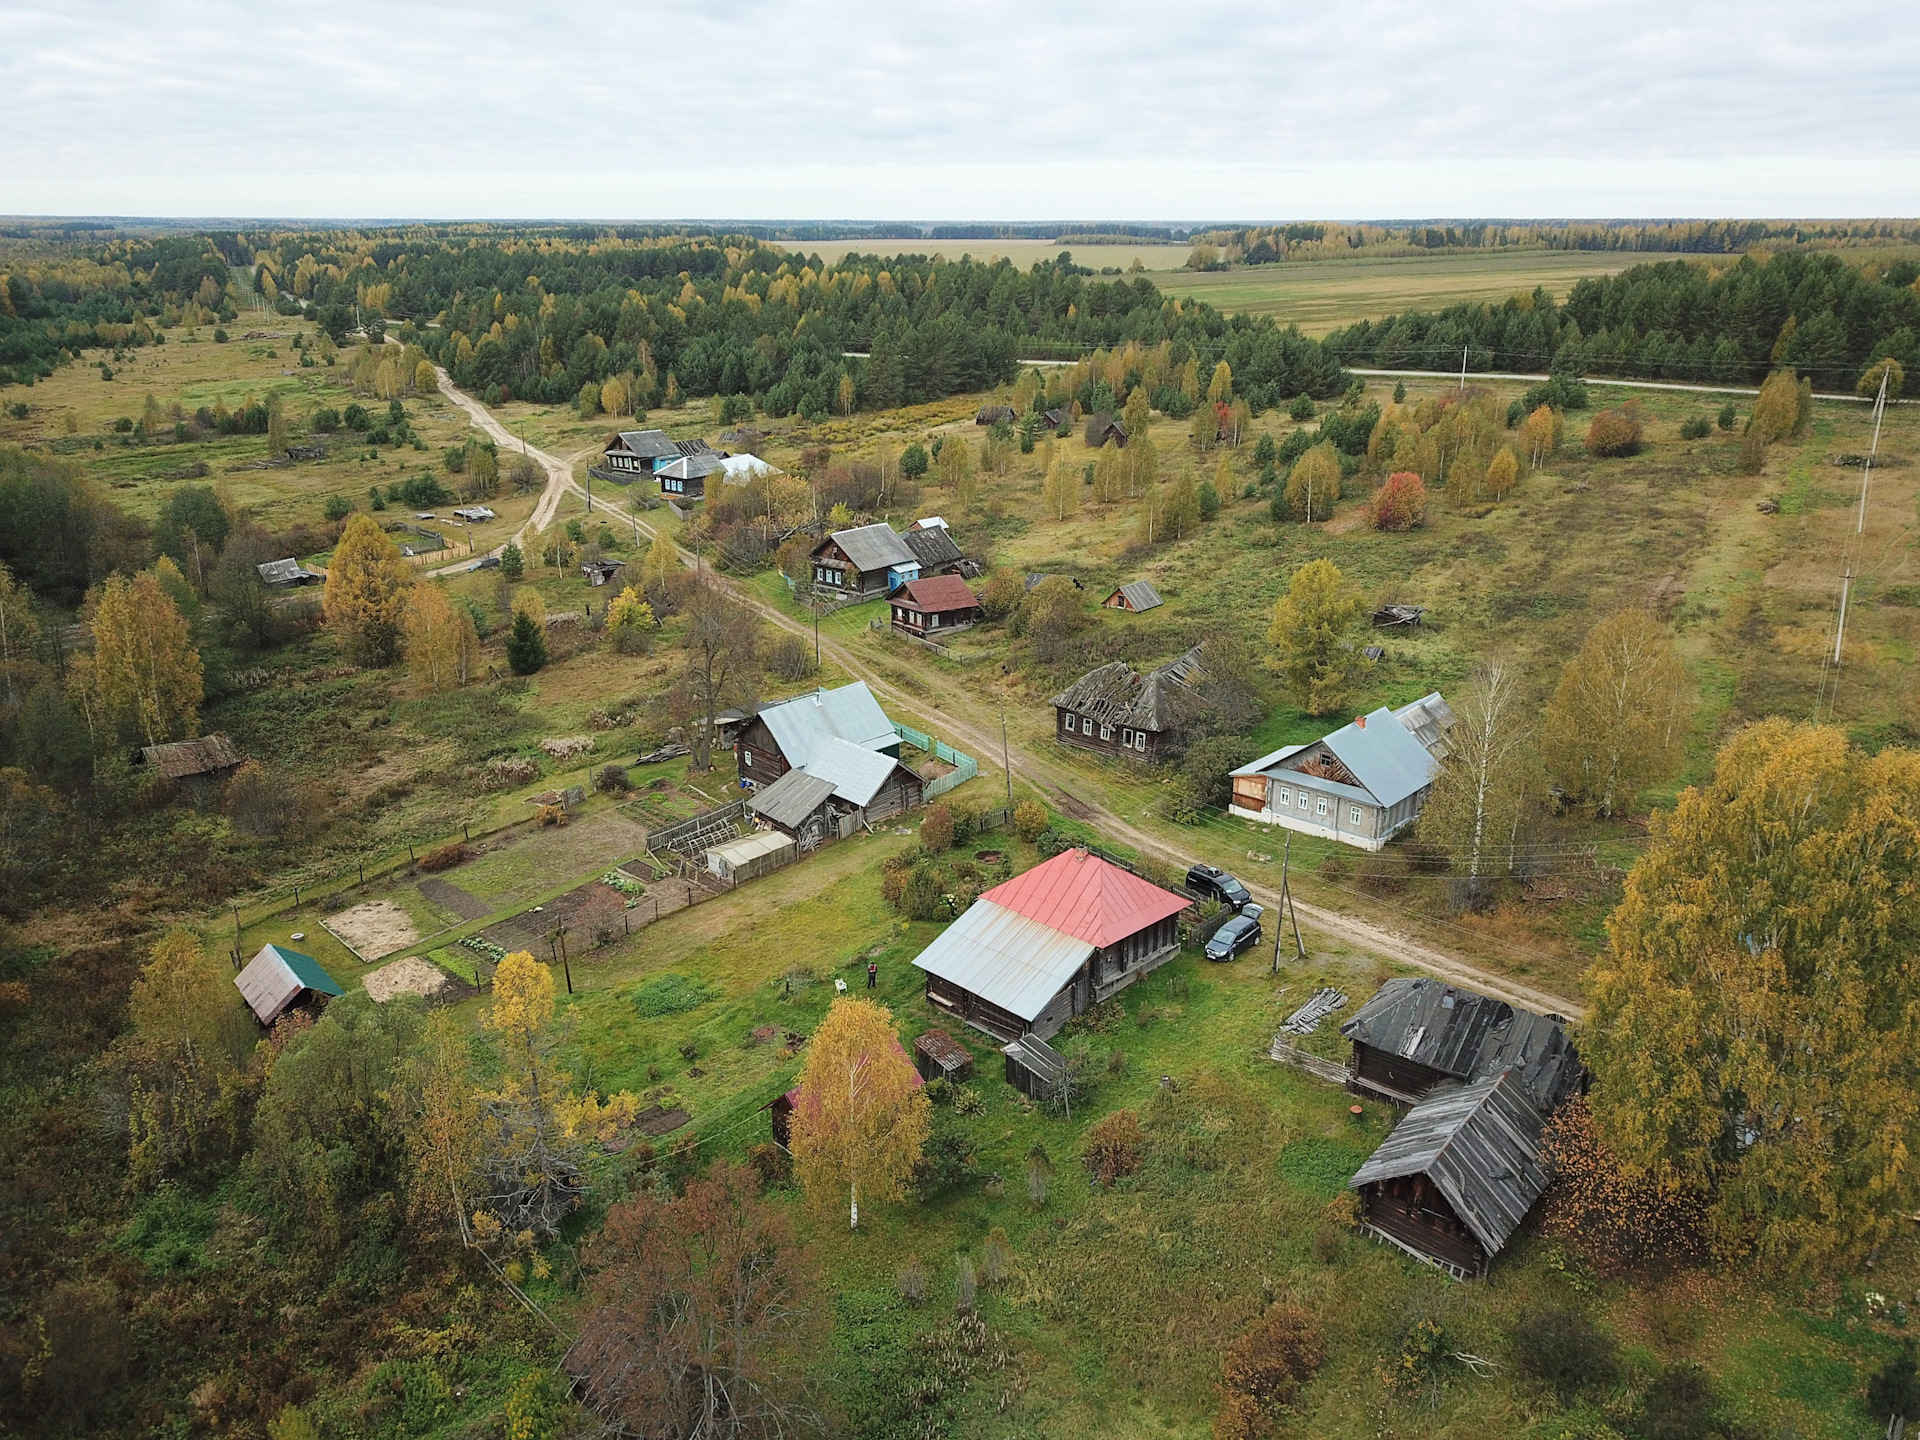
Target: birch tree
(1481, 794)
(861, 1120)
(1619, 715)
(144, 677)
(442, 646)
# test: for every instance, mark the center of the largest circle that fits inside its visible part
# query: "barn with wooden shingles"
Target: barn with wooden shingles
(209, 758)
(1461, 1170)
(1049, 944)
(1117, 711)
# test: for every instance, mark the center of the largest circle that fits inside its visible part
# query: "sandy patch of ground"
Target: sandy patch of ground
(373, 930)
(411, 976)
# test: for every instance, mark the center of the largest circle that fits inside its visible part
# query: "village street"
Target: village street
(962, 720)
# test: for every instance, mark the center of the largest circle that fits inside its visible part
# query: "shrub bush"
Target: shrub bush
(790, 657)
(1401, 503)
(1564, 1350)
(1613, 433)
(1262, 1372)
(445, 858)
(937, 829)
(1301, 409)
(612, 780)
(771, 1164)
(1030, 818)
(1695, 427)
(1113, 1146)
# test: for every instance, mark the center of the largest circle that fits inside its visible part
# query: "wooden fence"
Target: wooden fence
(965, 767)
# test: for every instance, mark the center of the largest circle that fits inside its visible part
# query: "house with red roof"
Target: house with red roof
(1050, 944)
(934, 605)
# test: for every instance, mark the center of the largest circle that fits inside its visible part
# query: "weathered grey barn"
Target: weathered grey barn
(1117, 711)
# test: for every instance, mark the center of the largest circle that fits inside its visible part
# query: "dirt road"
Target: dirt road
(1052, 779)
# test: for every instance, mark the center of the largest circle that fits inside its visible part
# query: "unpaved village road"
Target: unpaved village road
(1368, 935)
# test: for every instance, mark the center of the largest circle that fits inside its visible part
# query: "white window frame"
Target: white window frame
(1305, 802)
(1126, 737)
(1106, 732)
(746, 759)
(1071, 721)
(1285, 802)
(1140, 741)
(1321, 808)
(933, 621)
(1353, 815)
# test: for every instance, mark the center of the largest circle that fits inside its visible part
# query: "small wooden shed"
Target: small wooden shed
(1034, 1068)
(1134, 596)
(938, 1056)
(994, 414)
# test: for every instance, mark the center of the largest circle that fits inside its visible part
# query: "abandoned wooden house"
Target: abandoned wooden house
(782, 737)
(206, 761)
(634, 453)
(1102, 428)
(599, 572)
(1460, 1171)
(933, 545)
(1134, 596)
(941, 605)
(1058, 418)
(1049, 944)
(1361, 785)
(1116, 711)
(1391, 617)
(278, 981)
(868, 560)
(841, 788)
(994, 415)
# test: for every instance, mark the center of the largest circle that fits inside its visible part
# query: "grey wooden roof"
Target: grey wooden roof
(183, 759)
(1470, 1037)
(1159, 700)
(792, 798)
(932, 546)
(647, 444)
(1480, 1144)
(692, 447)
(874, 547)
(693, 466)
(1139, 595)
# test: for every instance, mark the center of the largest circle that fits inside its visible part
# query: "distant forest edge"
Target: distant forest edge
(541, 316)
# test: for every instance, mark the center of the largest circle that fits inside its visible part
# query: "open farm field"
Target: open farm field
(1022, 253)
(1323, 295)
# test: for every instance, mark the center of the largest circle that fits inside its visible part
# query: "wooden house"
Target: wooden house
(994, 415)
(778, 738)
(869, 560)
(278, 981)
(1361, 785)
(1102, 428)
(939, 605)
(599, 572)
(1134, 597)
(200, 763)
(1058, 418)
(634, 453)
(1049, 944)
(1116, 711)
(685, 478)
(933, 545)
(841, 787)
(284, 574)
(1458, 1174)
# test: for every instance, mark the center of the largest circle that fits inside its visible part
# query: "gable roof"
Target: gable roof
(1079, 894)
(275, 978)
(1139, 595)
(932, 545)
(989, 414)
(1428, 720)
(284, 572)
(873, 547)
(937, 592)
(694, 466)
(1006, 958)
(1057, 416)
(647, 444)
(856, 774)
(1480, 1144)
(692, 447)
(1159, 700)
(1469, 1036)
(849, 712)
(183, 759)
(1383, 755)
(792, 798)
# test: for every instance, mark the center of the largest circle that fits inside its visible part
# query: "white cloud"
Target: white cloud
(993, 110)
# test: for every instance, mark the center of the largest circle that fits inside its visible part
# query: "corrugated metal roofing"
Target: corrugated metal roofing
(937, 593)
(1428, 720)
(693, 467)
(275, 978)
(792, 798)
(850, 712)
(1004, 957)
(183, 759)
(1479, 1143)
(1087, 897)
(1382, 753)
(284, 572)
(752, 847)
(1139, 595)
(856, 775)
(647, 444)
(874, 547)
(1469, 1036)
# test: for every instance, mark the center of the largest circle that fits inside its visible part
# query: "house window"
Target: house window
(1286, 799)
(1106, 732)
(1321, 808)
(933, 622)
(1070, 720)
(1353, 814)
(746, 759)
(1126, 738)
(1303, 802)
(1140, 740)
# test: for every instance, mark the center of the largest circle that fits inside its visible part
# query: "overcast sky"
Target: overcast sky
(845, 109)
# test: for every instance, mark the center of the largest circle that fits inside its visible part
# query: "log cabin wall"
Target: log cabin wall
(1413, 1211)
(1393, 1073)
(759, 756)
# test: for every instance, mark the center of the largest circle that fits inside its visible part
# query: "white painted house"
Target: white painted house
(1361, 785)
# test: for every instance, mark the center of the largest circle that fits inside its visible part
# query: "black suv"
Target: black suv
(1237, 936)
(1212, 883)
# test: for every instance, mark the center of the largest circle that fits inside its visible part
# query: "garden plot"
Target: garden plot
(415, 976)
(534, 861)
(373, 930)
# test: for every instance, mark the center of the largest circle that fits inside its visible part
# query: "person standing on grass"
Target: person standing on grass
(873, 973)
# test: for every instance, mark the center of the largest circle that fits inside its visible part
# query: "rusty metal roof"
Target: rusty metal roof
(1089, 898)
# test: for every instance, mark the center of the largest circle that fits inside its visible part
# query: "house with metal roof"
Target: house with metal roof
(1049, 944)
(282, 574)
(685, 478)
(1460, 1171)
(1361, 785)
(782, 737)
(638, 452)
(1135, 595)
(1457, 1176)
(867, 560)
(1117, 711)
(933, 545)
(278, 980)
(939, 604)
(841, 787)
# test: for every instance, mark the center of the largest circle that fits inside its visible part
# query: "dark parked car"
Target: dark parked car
(1211, 883)
(1237, 936)
(486, 562)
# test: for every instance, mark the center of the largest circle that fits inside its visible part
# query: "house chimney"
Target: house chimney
(1361, 721)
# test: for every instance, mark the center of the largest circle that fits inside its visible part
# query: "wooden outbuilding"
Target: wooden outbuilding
(994, 415)
(1116, 711)
(938, 1056)
(278, 981)
(939, 605)
(1134, 596)
(1058, 418)
(933, 545)
(760, 853)
(205, 761)
(1102, 428)
(778, 738)
(1415, 1033)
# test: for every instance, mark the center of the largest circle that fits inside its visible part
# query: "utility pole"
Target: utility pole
(589, 489)
(1286, 904)
(1006, 763)
(816, 631)
(1463, 367)
(1859, 529)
